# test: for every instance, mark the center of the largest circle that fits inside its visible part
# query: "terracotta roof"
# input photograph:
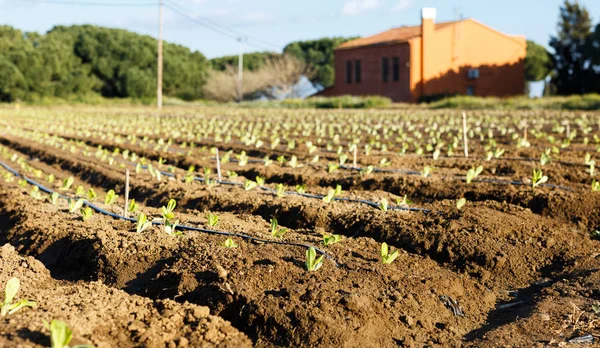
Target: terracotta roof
(394, 35)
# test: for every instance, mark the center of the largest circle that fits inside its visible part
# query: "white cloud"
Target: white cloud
(354, 7)
(402, 5)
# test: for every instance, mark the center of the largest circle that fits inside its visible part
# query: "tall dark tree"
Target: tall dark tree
(571, 63)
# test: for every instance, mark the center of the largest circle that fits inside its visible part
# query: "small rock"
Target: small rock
(408, 320)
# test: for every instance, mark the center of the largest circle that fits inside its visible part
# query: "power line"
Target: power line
(222, 29)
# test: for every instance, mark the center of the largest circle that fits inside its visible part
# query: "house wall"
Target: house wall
(462, 46)
(372, 81)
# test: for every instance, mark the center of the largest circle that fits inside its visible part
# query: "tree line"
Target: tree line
(84, 60)
(574, 67)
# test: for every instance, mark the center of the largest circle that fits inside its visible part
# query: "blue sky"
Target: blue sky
(277, 22)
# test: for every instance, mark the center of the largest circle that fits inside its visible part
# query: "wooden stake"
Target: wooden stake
(125, 213)
(525, 131)
(218, 166)
(465, 140)
(568, 130)
(354, 156)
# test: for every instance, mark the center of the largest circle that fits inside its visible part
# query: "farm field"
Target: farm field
(495, 249)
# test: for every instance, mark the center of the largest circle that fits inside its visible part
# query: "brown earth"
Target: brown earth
(519, 262)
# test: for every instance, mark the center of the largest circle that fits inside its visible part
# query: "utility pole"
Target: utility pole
(160, 56)
(240, 85)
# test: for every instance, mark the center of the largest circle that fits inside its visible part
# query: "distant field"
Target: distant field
(494, 249)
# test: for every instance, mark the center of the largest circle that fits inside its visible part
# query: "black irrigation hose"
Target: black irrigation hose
(183, 227)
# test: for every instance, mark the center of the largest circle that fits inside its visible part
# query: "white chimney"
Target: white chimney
(428, 13)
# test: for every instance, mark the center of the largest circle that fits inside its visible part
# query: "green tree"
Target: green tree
(538, 62)
(572, 67)
(320, 55)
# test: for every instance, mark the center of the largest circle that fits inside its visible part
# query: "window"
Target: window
(348, 71)
(396, 69)
(385, 69)
(470, 90)
(473, 74)
(357, 71)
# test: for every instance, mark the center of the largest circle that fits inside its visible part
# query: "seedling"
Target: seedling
(329, 196)
(229, 243)
(67, 183)
(461, 203)
(91, 194)
(80, 191)
(312, 262)
(426, 171)
(473, 173)
(111, 197)
(167, 212)
(260, 181)
(538, 178)
(332, 167)
(22, 183)
(213, 219)
(231, 174)
(249, 185)
(367, 170)
(545, 158)
(75, 205)
(35, 193)
(54, 198)
(51, 178)
(142, 223)
(595, 186)
(61, 335)
(10, 291)
(280, 190)
(384, 204)
(404, 203)
(132, 207)
(170, 227)
(301, 188)
(86, 213)
(275, 230)
(267, 161)
(386, 257)
(331, 239)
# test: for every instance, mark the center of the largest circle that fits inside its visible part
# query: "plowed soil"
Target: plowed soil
(514, 267)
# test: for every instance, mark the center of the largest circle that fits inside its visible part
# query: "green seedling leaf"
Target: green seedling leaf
(538, 178)
(331, 239)
(91, 194)
(111, 197)
(54, 198)
(312, 262)
(461, 203)
(86, 213)
(386, 257)
(142, 223)
(384, 204)
(249, 185)
(67, 183)
(75, 205)
(213, 219)
(10, 291)
(133, 206)
(229, 243)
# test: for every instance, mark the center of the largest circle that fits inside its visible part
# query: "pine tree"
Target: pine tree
(572, 40)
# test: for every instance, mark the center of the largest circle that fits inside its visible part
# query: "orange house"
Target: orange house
(407, 64)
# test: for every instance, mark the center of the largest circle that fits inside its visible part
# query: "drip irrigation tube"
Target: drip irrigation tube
(183, 227)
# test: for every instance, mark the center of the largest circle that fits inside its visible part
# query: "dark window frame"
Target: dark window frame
(470, 90)
(357, 71)
(385, 69)
(348, 71)
(395, 69)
